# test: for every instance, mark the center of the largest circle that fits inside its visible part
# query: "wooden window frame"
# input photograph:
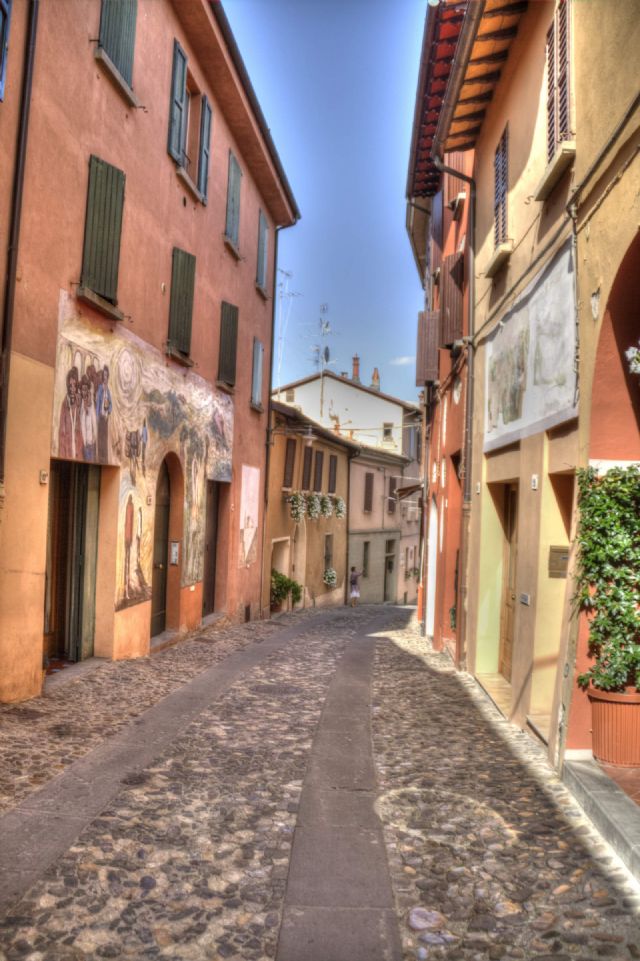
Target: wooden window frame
(501, 190)
(318, 470)
(391, 500)
(367, 506)
(228, 349)
(190, 125)
(232, 220)
(289, 463)
(117, 39)
(366, 557)
(307, 464)
(263, 253)
(256, 374)
(102, 237)
(183, 275)
(5, 24)
(559, 79)
(333, 473)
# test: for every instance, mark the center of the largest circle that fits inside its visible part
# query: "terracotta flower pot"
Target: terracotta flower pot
(615, 726)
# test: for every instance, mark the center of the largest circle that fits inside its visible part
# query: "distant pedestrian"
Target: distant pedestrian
(353, 585)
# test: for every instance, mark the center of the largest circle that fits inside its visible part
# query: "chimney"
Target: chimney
(375, 379)
(355, 376)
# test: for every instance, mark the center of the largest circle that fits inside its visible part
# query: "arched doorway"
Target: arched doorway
(160, 552)
(615, 398)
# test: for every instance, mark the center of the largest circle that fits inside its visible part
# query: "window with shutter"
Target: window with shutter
(391, 499)
(317, 472)
(328, 551)
(103, 227)
(178, 108)
(228, 344)
(205, 145)
(289, 463)
(333, 472)
(365, 558)
(118, 34)
(306, 468)
(368, 493)
(558, 75)
(183, 277)
(501, 187)
(232, 227)
(256, 379)
(261, 272)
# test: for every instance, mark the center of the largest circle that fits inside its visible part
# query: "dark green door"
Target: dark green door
(160, 553)
(210, 543)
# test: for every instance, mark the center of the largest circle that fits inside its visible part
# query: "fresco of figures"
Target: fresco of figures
(116, 402)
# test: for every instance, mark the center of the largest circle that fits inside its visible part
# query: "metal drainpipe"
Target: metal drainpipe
(269, 441)
(14, 232)
(468, 416)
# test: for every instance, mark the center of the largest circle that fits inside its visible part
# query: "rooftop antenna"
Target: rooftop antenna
(285, 303)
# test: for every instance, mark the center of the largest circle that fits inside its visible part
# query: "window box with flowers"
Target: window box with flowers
(330, 577)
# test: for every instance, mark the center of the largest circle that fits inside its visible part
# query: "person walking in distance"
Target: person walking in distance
(354, 588)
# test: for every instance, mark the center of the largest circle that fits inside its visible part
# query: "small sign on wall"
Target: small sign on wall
(174, 553)
(558, 561)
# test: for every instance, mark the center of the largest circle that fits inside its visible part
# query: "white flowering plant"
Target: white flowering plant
(339, 508)
(633, 356)
(330, 577)
(297, 505)
(326, 505)
(313, 506)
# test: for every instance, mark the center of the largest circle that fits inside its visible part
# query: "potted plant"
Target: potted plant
(608, 591)
(281, 587)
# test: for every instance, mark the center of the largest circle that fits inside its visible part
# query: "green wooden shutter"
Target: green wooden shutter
(178, 105)
(368, 492)
(306, 468)
(256, 379)
(205, 141)
(103, 226)
(232, 228)
(118, 34)
(261, 272)
(391, 500)
(183, 277)
(228, 344)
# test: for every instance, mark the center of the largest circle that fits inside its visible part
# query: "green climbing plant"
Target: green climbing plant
(608, 574)
(281, 587)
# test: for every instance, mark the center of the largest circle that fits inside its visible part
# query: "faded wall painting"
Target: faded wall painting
(116, 402)
(249, 514)
(531, 382)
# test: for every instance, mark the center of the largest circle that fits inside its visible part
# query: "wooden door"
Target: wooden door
(509, 579)
(210, 543)
(160, 553)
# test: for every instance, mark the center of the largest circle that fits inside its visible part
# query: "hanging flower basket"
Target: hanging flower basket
(313, 506)
(330, 577)
(297, 506)
(326, 505)
(339, 508)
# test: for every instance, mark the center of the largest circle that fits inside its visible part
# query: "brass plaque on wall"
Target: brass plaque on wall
(558, 561)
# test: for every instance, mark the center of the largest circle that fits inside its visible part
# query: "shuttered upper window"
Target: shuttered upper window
(5, 17)
(183, 278)
(391, 499)
(289, 463)
(103, 226)
(333, 472)
(232, 226)
(317, 471)
(261, 272)
(228, 344)
(190, 120)
(558, 75)
(501, 186)
(368, 492)
(306, 468)
(118, 34)
(256, 379)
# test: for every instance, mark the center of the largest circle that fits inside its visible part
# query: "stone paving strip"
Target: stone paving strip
(490, 855)
(189, 859)
(42, 737)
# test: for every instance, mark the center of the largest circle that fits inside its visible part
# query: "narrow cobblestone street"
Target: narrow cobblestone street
(314, 788)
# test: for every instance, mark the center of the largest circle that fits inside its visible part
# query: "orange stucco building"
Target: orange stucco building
(137, 329)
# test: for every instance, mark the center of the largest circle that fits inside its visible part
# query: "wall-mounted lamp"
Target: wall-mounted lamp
(306, 433)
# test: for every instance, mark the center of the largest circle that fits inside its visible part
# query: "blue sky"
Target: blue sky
(336, 80)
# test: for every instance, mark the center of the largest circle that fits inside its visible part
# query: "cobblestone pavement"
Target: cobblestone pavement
(489, 856)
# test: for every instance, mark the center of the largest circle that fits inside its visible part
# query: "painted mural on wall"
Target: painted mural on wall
(531, 382)
(116, 402)
(249, 514)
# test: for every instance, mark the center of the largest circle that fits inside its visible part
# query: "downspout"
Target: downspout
(269, 439)
(470, 26)
(14, 233)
